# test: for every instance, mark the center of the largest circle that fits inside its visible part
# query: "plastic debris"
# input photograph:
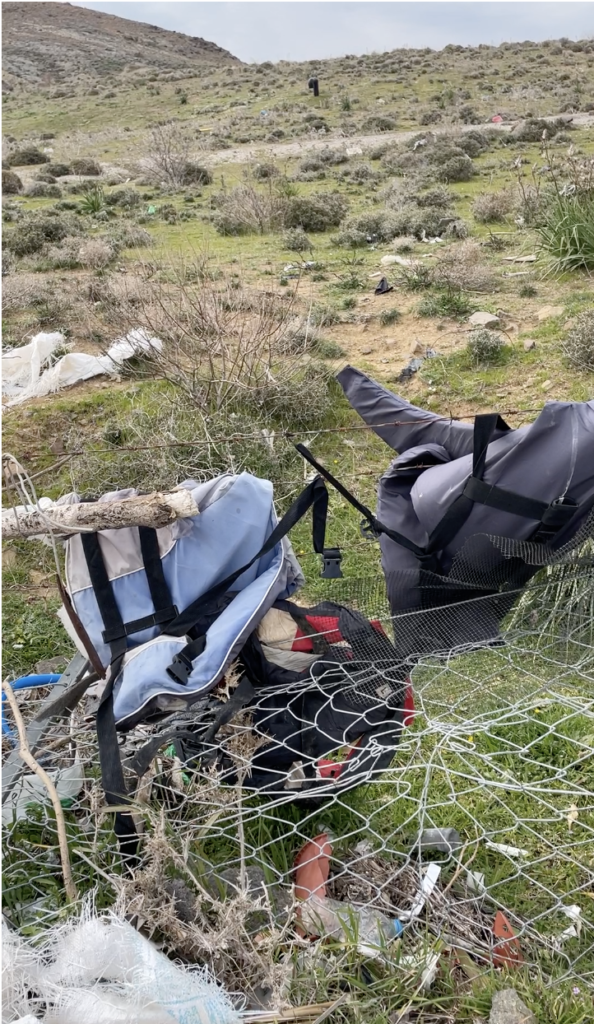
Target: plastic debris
(383, 287)
(574, 913)
(71, 368)
(507, 951)
(99, 970)
(31, 790)
(507, 851)
(446, 840)
(428, 883)
(475, 882)
(414, 365)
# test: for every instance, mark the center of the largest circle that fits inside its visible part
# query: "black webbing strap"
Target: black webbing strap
(112, 774)
(314, 496)
(552, 516)
(242, 695)
(459, 511)
(153, 566)
(373, 523)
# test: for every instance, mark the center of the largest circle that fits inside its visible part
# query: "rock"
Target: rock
(520, 259)
(387, 260)
(482, 319)
(546, 386)
(51, 665)
(366, 351)
(548, 311)
(508, 1008)
(529, 344)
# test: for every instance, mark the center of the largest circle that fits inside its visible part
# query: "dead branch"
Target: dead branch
(156, 510)
(29, 759)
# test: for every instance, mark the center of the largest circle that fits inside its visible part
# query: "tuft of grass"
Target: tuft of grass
(449, 303)
(389, 316)
(566, 232)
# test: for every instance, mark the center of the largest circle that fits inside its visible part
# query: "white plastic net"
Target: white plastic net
(468, 820)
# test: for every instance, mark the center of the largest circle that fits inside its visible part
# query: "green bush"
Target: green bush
(11, 183)
(316, 212)
(58, 170)
(263, 172)
(41, 190)
(85, 165)
(379, 124)
(389, 316)
(438, 197)
(126, 198)
(27, 156)
(485, 348)
(457, 168)
(296, 240)
(49, 179)
(450, 303)
(196, 174)
(380, 225)
(31, 235)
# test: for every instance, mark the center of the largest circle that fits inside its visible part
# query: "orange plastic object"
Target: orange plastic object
(507, 952)
(312, 867)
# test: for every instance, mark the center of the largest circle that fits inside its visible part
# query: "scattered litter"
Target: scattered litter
(414, 365)
(572, 815)
(475, 882)
(427, 965)
(100, 969)
(373, 277)
(483, 319)
(507, 951)
(520, 259)
(30, 789)
(445, 840)
(71, 368)
(508, 851)
(428, 884)
(574, 913)
(386, 261)
(306, 265)
(383, 287)
(496, 119)
(517, 273)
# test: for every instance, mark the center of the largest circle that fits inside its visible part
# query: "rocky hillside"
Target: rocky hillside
(51, 44)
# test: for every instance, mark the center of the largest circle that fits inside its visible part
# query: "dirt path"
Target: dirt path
(357, 144)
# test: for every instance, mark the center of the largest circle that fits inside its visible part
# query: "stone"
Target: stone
(529, 344)
(508, 1008)
(548, 311)
(51, 665)
(366, 351)
(546, 386)
(483, 319)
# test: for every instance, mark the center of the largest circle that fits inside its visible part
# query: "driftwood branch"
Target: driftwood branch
(154, 510)
(30, 761)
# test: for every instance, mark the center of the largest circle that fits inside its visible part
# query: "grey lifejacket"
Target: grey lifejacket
(469, 512)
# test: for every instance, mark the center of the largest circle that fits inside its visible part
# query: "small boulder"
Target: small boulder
(548, 311)
(529, 344)
(483, 319)
(366, 351)
(508, 1008)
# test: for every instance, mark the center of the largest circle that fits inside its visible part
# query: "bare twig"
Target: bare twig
(30, 761)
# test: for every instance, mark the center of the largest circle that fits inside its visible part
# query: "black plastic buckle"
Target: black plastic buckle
(368, 530)
(331, 558)
(180, 669)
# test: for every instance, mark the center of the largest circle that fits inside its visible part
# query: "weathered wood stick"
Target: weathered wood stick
(154, 510)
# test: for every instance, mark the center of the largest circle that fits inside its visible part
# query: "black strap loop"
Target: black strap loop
(374, 524)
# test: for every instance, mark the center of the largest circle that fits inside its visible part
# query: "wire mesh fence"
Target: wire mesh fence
(451, 791)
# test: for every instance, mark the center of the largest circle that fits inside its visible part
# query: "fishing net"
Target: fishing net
(468, 818)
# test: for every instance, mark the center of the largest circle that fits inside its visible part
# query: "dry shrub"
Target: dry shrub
(485, 348)
(11, 183)
(492, 207)
(96, 254)
(462, 267)
(225, 349)
(244, 210)
(168, 159)
(85, 165)
(579, 343)
(23, 291)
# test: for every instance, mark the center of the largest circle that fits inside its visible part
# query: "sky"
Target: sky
(274, 31)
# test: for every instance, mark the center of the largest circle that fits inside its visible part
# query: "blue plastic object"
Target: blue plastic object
(27, 683)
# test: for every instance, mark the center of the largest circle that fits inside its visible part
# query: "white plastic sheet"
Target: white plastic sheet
(24, 376)
(100, 970)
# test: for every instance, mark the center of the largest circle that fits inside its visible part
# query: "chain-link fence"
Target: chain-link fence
(450, 792)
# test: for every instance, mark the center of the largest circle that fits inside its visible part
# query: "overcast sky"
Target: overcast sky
(300, 31)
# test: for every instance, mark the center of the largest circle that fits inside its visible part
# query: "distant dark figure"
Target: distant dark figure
(313, 84)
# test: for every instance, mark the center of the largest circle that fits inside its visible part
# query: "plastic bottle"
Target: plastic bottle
(370, 929)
